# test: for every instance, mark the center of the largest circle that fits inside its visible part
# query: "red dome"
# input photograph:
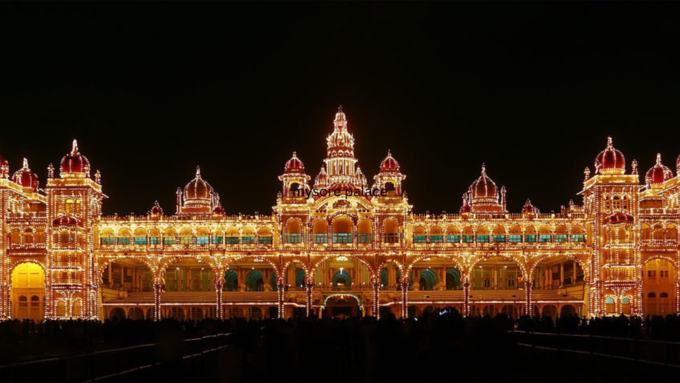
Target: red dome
(610, 160)
(294, 165)
(26, 177)
(75, 162)
(618, 218)
(466, 208)
(389, 164)
(156, 210)
(659, 173)
(529, 208)
(484, 189)
(67, 221)
(219, 210)
(197, 188)
(321, 179)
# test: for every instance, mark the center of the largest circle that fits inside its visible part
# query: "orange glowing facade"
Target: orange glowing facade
(325, 251)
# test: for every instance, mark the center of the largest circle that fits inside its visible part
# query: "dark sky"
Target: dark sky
(153, 89)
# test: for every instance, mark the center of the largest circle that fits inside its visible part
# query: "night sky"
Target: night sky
(151, 90)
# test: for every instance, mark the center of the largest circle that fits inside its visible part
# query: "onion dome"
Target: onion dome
(658, 174)
(466, 208)
(340, 138)
(75, 163)
(218, 210)
(67, 220)
(321, 180)
(619, 218)
(389, 164)
(26, 177)
(156, 210)
(610, 160)
(294, 165)
(484, 190)
(198, 188)
(529, 208)
(4, 167)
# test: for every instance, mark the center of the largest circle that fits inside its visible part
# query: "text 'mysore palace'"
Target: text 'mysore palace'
(325, 254)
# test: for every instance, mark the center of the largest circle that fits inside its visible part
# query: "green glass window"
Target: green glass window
(436, 238)
(468, 238)
(578, 238)
(499, 238)
(107, 240)
(203, 240)
(217, 240)
(320, 238)
(530, 238)
(186, 240)
(364, 238)
(232, 240)
(169, 240)
(293, 238)
(453, 238)
(123, 240)
(482, 238)
(155, 240)
(140, 240)
(515, 238)
(391, 237)
(561, 238)
(248, 240)
(419, 238)
(545, 238)
(266, 240)
(342, 238)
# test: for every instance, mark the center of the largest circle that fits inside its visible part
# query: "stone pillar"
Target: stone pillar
(404, 296)
(466, 298)
(561, 274)
(376, 296)
(280, 292)
(529, 308)
(219, 285)
(157, 289)
(309, 290)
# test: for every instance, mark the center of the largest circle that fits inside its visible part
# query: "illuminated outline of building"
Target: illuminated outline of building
(338, 255)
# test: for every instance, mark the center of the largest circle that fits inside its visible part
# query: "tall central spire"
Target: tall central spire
(341, 165)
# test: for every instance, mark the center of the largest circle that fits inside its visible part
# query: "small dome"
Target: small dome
(618, 218)
(389, 164)
(610, 160)
(26, 177)
(197, 188)
(484, 189)
(529, 208)
(218, 210)
(74, 162)
(66, 220)
(659, 173)
(294, 165)
(466, 208)
(321, 179)
(156, 210)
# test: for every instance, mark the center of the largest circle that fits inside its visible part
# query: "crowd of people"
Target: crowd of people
(313, 349)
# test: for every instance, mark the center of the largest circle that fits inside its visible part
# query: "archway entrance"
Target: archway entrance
(28, 292)
(658, 287)
(342, 306)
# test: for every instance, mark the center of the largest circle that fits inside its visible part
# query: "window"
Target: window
(530, 238)
(663, 273)
(651, 295)
(342, 238)
(545, 238)
(293, 238)
(232, 240)
(187, 240)
(453, 238)
(391, 237)
(578, 238)
(203, 240)
(140, 240)
(107, 240)
(499, 238)
(561, 238)
(515, 238)
(217, 240)
(266, 240)
(663, 295)
(364, 238)
(651, 273)
(249, 240)
(155, 240)
(482, 239)
(168, 240)
(123, 240)
(320, 238)
(468, 238)
(436, 238)
(419, 238)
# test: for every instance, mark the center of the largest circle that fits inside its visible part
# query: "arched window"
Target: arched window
(320, 231)
(294, 233)
(663, 295)
(391, 230)
(249, 237)
(203, 236)
(123, 237)
(419, 235)
(265, 236)
(28, 236)
(544, 234)
(365, 231)
(140, 236)
(515, 234)
(452, 235)
(232, 236)
(436, 234)
(482, 234)
(499, 234)
(530, 234)
(342, 230)
(651, 295)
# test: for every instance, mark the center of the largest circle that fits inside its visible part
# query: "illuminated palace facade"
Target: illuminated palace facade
(336, 255)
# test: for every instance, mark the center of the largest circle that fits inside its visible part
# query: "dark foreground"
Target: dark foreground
(433, 347)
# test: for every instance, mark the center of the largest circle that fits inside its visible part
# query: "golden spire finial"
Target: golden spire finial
(198, 172)
(609, 142)
(74, 150)
(658, 158)
(25, 163)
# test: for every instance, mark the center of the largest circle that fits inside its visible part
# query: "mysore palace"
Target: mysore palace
(330, 255)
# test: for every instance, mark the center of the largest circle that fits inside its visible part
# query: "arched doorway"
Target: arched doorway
(28, 292)
(342, 306)
(428, 279)
(254, 281)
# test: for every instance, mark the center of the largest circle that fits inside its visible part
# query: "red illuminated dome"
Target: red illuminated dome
(610, 160)
(197, 188)
(484, 189)
(219, 210)
(74, 163)
(26, 177)
(466, 208)
(658, 174)
(294, 165)
(529, 208)
(389, 164)
(156, 210)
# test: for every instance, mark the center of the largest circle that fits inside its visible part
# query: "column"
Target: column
(219, 285)
(529, 308)
(466, 297)
(110, 276)
(309, 290)
(157, 289)
(561, 274)
(404, 296)
(376, 296)
(280, 287)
